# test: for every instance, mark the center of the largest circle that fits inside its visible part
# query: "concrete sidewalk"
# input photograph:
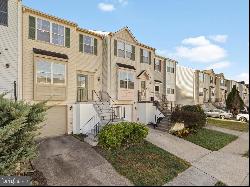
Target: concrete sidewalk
(226, 165)
(177, 146)
(193, 177)
(239, 146)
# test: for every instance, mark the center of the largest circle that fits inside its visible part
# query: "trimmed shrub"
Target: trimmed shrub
(18, 129)
(122, 134)
(192, 116)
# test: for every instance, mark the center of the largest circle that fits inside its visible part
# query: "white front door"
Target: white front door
(127, 112)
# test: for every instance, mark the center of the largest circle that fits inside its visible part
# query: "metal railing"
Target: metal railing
(92, 121)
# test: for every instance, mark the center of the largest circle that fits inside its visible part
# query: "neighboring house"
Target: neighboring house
(220, 89)
(170, 81)
(241, 87)
(11, 48)
(185, 86)
(62, 63)
(210, 85)
(244, 92)
(159, 75)
(205, 86)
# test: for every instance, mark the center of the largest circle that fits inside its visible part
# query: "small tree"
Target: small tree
(18, 129)
(234, 102)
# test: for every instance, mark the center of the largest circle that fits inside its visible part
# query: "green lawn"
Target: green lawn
(145, 164)
(229, 124)
(210, 139)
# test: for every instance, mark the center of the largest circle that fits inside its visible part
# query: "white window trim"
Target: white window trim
(51, 29)
(50, 32)
(127, 72)
(51, 74)
(92, 45)
(125, 49)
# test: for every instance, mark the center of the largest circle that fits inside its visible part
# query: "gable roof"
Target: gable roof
(144, 71)
(132, 35)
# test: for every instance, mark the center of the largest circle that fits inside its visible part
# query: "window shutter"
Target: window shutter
(160, 66)
(154, 64)
(115, 47)
(81, 43)
(133, 53)
(141, 55)
(149, 57)
(67, 37)
(95, 46)
(32, 27)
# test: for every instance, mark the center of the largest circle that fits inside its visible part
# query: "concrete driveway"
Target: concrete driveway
(68, 161)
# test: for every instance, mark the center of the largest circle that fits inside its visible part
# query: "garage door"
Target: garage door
(56, 123)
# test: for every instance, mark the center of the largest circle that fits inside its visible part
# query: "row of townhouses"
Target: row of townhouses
(92, 78)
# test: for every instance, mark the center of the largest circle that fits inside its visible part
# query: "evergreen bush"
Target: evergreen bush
(122, 134)
(18, 129)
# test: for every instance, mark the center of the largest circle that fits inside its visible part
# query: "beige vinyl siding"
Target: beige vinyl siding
(113, 89)
(78, 62)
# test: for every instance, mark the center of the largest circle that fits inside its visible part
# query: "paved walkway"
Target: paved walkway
(193, 177)
(225, 165)
(66, 161)
(177, 146)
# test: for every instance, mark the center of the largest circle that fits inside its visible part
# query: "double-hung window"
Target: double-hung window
(50, 73)
(158, 65)
(170, 67)
(170, 91)
(127, 80)
(58, 73)
(129, 51)
(88, 44)
(43, 72)
(43, 30)
(131, 81)
(145, 56)
(121, 49)
(58, 34)
(123, 79)
(4, 12)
